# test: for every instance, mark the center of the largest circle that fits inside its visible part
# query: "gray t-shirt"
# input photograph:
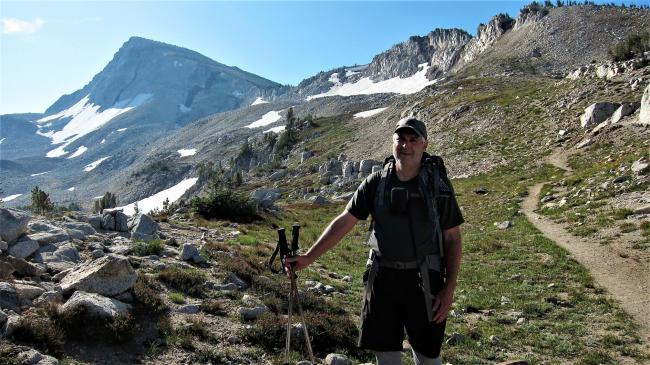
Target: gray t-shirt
(393, 230)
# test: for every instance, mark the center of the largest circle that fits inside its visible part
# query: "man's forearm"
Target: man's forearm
(453, 252)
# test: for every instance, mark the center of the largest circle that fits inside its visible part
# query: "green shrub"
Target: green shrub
(225, 204)
(329, 332)
(146, 292)
(645, 228)
(177, 298)
(627, 227)
(213, 306)
(632, 47)
(113, 330)
(142, 248)
(40, 331)
(247, 240)
(189, 281)
(622, 213)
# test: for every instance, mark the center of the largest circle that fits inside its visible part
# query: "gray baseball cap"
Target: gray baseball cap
(414, 125)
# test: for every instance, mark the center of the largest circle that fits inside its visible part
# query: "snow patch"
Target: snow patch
(365, 86)
(86, 118)
(259, 101)
(39, 174)
(78, 152)
(155, 201)
(187, 152)
(10, 197)
(369, 113)
(334, 78)
(121, 129)
(57, 152)
(2, 140)
(178, 64)
(91, 166)
(183, 108)
(70, 189)
(268, 118)
(275, 129)
(103, 140)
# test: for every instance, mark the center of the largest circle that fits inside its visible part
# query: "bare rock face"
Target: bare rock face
(644, 115)
(109, 275)
(440, 49)
(12, 224)
(486, 36)
(95, 305)
(8, 297)
(597, 113)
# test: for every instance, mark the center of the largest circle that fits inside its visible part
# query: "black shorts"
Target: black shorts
(397, 304)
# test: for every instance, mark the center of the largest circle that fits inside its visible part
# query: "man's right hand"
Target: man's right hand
(296, 263)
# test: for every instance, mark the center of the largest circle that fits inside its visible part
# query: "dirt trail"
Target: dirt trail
(627, 280)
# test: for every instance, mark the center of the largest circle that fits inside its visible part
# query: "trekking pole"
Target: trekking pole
(295, 231)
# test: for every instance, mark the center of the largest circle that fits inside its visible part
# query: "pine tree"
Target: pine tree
(41, 202)
(109, 200)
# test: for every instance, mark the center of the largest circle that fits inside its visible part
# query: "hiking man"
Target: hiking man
(415, 249)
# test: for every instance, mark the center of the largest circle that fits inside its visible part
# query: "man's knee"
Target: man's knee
(420, 359)
(388, 357)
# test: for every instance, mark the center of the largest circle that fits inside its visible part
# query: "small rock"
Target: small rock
(188, 252)
(23, 248)
(12, 224)
(33, 357)
(241, 284)
(548, 198)
(640, 166)
(620, 179)
(3, 318)
(228, 287)
(521, 320)
(481, 190)
(189, 309)
(233, 340)
(455, 339)
(642, 210)
(337, 359)
(513, 362)
(251, 314)
(3, 245)
(95, 305)
(98, 253)
(494, 339)
(8, 297)
(6, 269)
(347, 278)
(505, 300)
(504, 225)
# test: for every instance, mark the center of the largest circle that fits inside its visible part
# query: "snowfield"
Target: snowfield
(268, 118)
(10, 197)
(275, 129)
(155, 201)
(91, 166)
(86, 118)
(259, 101)
(40, 173)
(369, 113)
(78, 152)
(187, 152)
(70, 189)
(365, 86)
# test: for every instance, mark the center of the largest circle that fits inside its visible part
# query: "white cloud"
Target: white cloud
(17, 26)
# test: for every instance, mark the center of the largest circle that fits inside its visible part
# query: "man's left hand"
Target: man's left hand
(442, 303)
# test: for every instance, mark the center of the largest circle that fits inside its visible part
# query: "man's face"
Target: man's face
(408, 147)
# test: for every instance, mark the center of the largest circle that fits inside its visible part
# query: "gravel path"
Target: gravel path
(627, 280)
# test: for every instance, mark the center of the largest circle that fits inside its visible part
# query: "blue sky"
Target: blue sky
(53, 48)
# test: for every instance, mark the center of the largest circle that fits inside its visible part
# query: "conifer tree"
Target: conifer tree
(41, 202)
